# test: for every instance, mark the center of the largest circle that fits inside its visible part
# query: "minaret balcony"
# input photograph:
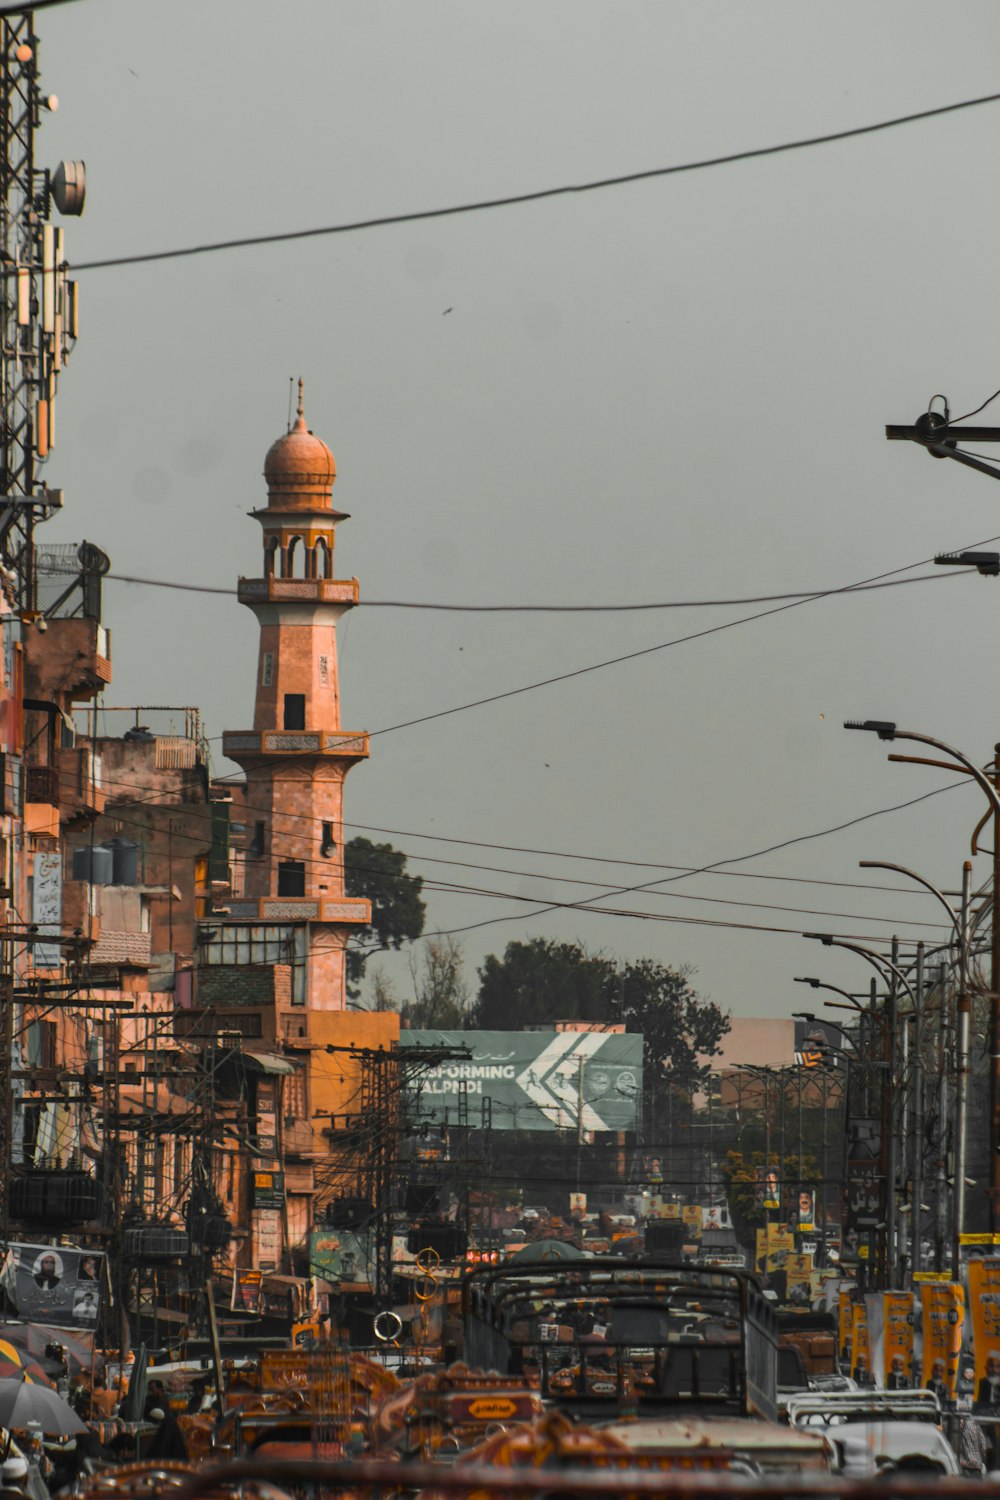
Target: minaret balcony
(342, 591)
(352, 910)
(253, 744)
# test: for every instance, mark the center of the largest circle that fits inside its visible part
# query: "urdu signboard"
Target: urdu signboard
(531, 1080)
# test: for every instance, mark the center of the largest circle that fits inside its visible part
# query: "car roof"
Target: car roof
(865, 1442)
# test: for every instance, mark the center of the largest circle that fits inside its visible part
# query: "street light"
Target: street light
(889, 731)
(963, 1010)
(884, 967)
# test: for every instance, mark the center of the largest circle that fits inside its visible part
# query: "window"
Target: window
(291, 878)
(40, 1044)
(266, 669)
(329, 843)
(256, 846)
(295, 710)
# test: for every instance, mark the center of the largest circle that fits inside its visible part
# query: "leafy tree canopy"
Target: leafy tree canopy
(378, 871)
(544, 981)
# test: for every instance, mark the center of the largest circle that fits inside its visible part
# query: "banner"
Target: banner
(897, 1357)
(248, 1286)
(863, 1194)
(342, 1255)
(767, 1187)
(806, 1214)
(51, 1284)
(530, 1080)
(774, 1245)
(798, 1286)
(943, 1317)
(691, 1219)
(844, 1306)
(984, 1301)
(861, 1360)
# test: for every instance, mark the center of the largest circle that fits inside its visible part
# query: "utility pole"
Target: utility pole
(995, 1012)
(963, 1016)
(916, 1214)
(889, 1118)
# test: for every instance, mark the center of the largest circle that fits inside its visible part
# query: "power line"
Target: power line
(704, 869)
(552, 609)
(322, 863)
(443, 887)
(22, 10)
(680, 640)
(480, 205)
(590, 906)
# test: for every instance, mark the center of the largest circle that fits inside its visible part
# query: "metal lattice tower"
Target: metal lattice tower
(38, 310)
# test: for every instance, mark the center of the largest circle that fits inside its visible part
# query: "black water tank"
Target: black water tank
(95, 864)
(126, 861)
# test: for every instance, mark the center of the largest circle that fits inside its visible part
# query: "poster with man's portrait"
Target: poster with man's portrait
(55, 1285)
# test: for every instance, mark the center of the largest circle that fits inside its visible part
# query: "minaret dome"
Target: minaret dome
(299, 468)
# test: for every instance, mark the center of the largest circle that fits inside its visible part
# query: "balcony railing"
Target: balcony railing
(301, 909)
(338, 743)
(323, 590)
(41, 784)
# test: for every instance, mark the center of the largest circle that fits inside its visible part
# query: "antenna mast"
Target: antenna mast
(38, 303)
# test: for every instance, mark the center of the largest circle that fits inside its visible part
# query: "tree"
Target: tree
(378, 871)
(679, 1027)
(441, 995)
(546, 981)
(541, 981)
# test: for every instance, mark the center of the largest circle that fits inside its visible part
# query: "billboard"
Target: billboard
(531, 1080)
(54, 1284)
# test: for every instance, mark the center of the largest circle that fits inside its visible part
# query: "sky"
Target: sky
(669, 391)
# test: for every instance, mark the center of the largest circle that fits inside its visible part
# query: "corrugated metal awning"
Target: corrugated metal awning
(268, 1062)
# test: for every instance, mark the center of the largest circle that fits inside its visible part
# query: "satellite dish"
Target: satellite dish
(69, 187)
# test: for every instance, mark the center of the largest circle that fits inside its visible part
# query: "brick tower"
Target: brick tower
(296, 756)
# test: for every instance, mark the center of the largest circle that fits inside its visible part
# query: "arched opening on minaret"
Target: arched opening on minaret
(323, 559)
(291, 556)
(270, 556)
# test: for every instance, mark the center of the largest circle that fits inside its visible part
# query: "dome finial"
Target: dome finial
(300, 425)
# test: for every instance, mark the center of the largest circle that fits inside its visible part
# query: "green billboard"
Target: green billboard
(530, 1080)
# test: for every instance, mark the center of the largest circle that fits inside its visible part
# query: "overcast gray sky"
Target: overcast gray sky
(674, 390)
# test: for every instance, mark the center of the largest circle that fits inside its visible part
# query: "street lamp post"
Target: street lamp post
(991, 788)
(892, 975)
(963, 1009)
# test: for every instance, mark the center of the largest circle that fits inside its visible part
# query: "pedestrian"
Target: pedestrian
(973, 1447)
(168, 1440)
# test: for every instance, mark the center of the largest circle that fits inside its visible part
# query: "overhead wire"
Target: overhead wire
(153, 802)
(614, 892)
(431, 884)
(644, 651)
(210, 247)
(552, 609)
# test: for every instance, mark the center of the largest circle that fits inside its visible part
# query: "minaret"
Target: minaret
(297, 755)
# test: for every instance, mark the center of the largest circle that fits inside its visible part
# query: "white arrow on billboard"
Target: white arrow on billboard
(552, 1080)
(567, 1080)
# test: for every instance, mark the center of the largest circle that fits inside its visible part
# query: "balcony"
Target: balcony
(349, 909)
(70, 662)
(41, 784)
(247, 744)
(79, 772)
(344, 592)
